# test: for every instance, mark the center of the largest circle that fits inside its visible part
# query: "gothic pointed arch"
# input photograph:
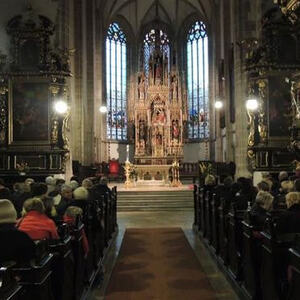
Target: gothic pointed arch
(116, 82)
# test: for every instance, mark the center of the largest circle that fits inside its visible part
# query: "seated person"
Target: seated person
(263, 204)
(246, 194)
(81, 196)
(100, 189)
(15, 245)
(289, 222)
(35, 222)
(39, 190)
(66, 198)
(70, 216)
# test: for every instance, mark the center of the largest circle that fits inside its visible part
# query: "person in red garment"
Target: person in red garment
(35, 222)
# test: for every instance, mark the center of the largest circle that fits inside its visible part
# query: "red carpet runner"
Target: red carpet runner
(157, 264)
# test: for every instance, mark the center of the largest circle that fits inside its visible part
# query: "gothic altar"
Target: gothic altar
(158, 110)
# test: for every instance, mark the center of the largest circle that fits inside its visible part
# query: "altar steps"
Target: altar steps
(155, 201)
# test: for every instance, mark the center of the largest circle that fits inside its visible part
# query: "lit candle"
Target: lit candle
(127, 152)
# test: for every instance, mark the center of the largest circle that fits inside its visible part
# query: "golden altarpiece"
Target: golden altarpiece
(158, 112)
(158, 109)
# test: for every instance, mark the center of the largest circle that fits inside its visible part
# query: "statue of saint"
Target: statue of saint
(175, 130)
(174, 87)
(141, 87)
(142, 131)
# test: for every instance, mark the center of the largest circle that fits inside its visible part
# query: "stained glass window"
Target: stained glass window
(155, 38)
(197, 81)
(116, 83)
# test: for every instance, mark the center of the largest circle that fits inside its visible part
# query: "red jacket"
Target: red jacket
(38, 226)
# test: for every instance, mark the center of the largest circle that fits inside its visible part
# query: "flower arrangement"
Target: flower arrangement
(22, 167)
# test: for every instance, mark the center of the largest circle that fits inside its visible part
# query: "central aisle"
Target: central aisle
(157, 263)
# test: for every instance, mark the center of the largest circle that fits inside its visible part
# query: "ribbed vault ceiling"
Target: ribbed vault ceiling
(140, 12)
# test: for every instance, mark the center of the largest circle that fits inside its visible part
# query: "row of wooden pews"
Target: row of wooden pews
(262, 263)
(61, 270)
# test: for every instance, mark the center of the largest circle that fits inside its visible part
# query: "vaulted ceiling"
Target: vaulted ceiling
(140, 12)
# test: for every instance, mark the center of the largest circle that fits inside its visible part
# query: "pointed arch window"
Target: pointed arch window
(197, 81)
(116, 76)
(155, 40)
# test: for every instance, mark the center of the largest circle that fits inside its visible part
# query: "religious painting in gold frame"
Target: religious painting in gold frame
(29, 111)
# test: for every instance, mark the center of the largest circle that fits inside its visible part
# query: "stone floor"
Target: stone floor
(165, 219)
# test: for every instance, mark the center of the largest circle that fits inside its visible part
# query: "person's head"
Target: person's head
(297, 185)
(283, 175)
(73, 212)
(228, 181)
(29, 181)
(18, 187)
(34, 204)
(87, 183)
(292, 198)
(50, 180)
(263, 186)
(66, 191)
(60, 182)
(264, 199)
(74, 184)
(81, 193)
(245, 184)
(103, 180)
(210, 180)
(8, 214)
(287, 186)
(38, 189)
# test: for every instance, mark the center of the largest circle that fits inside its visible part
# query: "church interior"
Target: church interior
(150, 149)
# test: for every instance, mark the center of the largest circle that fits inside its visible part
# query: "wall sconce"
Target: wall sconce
(103, 109)
(61, 106)
(218, 104)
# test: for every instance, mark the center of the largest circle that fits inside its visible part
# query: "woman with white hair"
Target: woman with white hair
(263, 204)
(289, 222)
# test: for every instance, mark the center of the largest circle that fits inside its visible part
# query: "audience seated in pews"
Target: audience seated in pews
(81, 195)
(39, 190)
(70, 217)
(66, 199)
(289, 222)
(15, 245)
(246, 194)
(263, 204)
(35, 222)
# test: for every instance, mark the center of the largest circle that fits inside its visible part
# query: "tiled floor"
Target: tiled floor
(166, 219)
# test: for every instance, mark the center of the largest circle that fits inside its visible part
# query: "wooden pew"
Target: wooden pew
(63, 269)
(202, 212)
(235, 242)
(294, 270)
(196, 207)
(222, 229)
(36, 278)
(274, 260)
(208, 216)
(79, 261)
(9, 288)
(252, 245)
(214, 223)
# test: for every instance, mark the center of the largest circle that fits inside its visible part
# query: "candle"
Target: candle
(127, 152)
